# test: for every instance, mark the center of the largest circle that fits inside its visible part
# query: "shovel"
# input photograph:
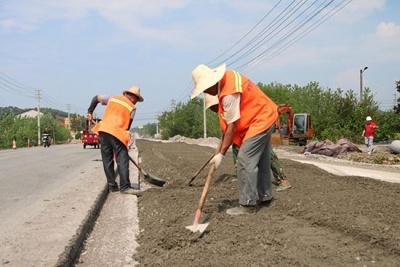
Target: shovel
(148, 177)
(205, 163)
(196, 226)
(201, 168)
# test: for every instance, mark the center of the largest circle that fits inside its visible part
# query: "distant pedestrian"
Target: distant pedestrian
(247, 116)
(369, 133)
(114, 135)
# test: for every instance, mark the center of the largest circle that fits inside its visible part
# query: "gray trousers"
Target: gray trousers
(368, 142)
(254, 169)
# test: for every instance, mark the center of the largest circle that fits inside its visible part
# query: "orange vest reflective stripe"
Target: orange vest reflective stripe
(116, 118)
(257, 111)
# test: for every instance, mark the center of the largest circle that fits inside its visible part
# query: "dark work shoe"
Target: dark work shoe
(113, 188)
(242, 210)
(131, 191)
(266, 203)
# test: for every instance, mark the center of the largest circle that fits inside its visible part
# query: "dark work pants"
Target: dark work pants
(109, 146)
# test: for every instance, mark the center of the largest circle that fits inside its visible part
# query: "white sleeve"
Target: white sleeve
(104, 99)
(231, 106)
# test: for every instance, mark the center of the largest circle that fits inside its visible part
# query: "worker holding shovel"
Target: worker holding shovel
(281, 181)
(247, 117)
(114, 135)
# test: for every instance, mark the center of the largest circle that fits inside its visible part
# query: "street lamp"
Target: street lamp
(361, 82)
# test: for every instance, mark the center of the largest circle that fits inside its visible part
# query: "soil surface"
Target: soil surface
(323, 220)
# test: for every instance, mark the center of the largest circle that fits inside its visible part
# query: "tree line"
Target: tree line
(335, 114)
(24, 130)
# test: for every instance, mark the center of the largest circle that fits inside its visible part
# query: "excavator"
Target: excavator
(296, 129)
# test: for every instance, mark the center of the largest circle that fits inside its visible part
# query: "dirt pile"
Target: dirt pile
(323, 220)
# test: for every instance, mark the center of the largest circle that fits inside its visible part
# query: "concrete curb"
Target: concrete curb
(99, 211)
(73, 249)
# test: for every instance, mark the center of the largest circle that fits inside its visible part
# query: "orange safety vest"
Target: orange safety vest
(257, 111)
(116, 119)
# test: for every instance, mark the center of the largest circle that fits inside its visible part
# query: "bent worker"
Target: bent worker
(281, 181)
(113, 131)
(247, 119)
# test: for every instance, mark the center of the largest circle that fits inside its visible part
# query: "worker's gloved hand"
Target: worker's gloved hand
(89, 117)
(217, 159)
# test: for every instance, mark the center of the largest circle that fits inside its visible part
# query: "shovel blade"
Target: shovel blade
(197, 227)
(154, 180)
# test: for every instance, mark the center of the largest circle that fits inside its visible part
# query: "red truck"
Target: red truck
(89, 138)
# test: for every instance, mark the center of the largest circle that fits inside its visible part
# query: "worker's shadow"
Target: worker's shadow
(227, 203)
(224, 178)
(220, 179)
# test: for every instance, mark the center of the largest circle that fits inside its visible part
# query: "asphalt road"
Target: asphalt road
(45, 195)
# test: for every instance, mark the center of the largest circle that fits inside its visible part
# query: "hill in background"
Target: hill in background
(16, 111)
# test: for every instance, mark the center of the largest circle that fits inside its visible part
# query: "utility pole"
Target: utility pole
(158, 125)
(173, 111)
(361, 83)
(37, 93)
(69, 117)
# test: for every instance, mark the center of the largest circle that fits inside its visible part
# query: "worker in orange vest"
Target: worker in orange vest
(281, 180)
(113, 131)
(247, 118)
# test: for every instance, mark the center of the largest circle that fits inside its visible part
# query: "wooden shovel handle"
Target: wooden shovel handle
(134, 163)
(206, 187)
(208, 160)
(202, 167)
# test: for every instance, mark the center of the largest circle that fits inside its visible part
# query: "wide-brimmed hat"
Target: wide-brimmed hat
(210, 100)
(205, 77)
(368, 118)
(136, 91)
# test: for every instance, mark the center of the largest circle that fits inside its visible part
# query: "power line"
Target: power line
(296, 39)
(14, 87)
(241, 39)
(279, 29)
(280, 41)
(270, 29)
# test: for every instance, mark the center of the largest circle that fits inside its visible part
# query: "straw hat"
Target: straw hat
(368, 118)
(204, 78)
(136, 91)
(210, 100)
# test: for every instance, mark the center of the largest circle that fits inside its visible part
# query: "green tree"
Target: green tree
(336, 113)
(185, 120)
(23, 129)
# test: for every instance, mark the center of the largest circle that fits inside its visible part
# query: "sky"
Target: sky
(68, 51)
